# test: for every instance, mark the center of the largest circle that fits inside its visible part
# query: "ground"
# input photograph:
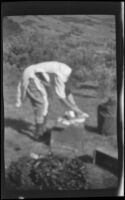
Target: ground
(19, 131)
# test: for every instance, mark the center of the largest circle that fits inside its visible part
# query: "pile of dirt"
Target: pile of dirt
(50, 172)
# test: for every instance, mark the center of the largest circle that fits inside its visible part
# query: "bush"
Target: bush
(30, 48)
(49, 173)
(34, 47)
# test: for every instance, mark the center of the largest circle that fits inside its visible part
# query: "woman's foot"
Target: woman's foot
(40, 129)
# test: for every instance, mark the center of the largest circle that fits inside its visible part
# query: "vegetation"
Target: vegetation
(49, 173)
(31, 46)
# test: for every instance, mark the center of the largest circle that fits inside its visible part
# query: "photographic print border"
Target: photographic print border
(65, 8)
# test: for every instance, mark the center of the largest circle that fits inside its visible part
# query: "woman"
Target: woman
(36, 82)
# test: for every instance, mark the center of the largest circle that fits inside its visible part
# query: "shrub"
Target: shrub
(49, 173)
(34, 47)
(19, 172)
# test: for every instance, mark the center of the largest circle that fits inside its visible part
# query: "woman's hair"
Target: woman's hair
(68, 91)
(68, 85)
(40, 76)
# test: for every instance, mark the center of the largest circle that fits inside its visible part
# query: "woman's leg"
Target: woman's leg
(39, 118)
(40, 107)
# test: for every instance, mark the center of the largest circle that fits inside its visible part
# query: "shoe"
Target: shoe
(46, 137)
(39, 131)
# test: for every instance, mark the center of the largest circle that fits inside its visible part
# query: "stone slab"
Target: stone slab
(68, 140)
(107, 159)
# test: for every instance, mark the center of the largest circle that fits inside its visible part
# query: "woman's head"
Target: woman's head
(65, 73)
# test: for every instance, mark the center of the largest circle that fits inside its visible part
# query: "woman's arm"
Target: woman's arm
(65, 96)
(73, 107)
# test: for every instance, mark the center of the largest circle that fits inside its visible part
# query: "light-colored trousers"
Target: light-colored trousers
(39, 101)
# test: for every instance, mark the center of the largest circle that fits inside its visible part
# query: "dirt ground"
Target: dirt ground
(19, 128)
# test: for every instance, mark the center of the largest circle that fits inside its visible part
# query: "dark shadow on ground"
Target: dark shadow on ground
(20, 125)
(91, 129)
(24, 127)
(86, 86)
(17, 124)
(58, 128)
(86, 158)
(85, 96)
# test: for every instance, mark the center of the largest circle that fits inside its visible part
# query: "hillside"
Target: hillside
(87, 44)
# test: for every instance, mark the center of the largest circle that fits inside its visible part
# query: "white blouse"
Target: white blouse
(61, 70)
